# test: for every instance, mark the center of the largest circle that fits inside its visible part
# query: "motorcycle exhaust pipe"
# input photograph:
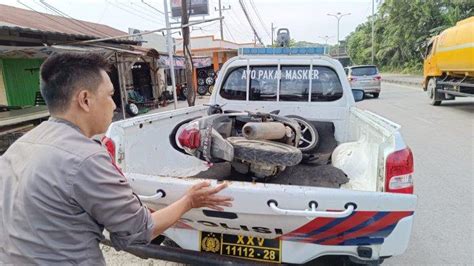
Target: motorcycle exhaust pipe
(267, 130)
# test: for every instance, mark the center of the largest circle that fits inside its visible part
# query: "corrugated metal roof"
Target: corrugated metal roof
(28, 30)
(51, 23)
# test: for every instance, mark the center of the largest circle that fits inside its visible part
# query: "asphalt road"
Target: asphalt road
(442, 141)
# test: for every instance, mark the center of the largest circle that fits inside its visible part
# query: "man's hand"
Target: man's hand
(202, 195)
(198, 196)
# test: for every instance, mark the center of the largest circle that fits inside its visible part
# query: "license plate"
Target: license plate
(246, 247)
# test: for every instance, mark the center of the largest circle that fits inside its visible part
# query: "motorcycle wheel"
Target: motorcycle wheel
(202, 74)
(210, 89)
(132, 109)
(202, 90)
(209, 81)
(309, 135)
(184, 93)
(267, 152)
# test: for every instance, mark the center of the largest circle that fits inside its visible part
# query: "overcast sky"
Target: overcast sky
(306, 19)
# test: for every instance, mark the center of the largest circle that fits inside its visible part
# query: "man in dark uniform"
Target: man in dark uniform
(59, 188)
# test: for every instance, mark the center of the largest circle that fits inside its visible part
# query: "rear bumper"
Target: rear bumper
(153, 251)
(301, 252)
(292, 252)
(367, 89)
(372, 90)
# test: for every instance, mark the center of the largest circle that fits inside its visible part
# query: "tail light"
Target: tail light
(377, 78)
(351, 79)
(110, 146)
(399, 172)
(190, 138)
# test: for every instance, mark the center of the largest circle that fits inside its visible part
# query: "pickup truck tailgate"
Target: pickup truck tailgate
(337, 219)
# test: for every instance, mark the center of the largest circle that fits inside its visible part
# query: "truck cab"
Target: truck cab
(448, 70)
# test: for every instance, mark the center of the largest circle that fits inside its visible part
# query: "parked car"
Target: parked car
(353, 200)
(366, 78)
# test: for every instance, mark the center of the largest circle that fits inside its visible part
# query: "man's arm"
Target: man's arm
(200, 195)
(105, 194)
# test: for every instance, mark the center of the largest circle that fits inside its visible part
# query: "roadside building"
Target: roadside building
(218, 51)
(27, 38)
(158, 42)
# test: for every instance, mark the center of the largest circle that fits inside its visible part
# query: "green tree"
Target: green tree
(402, 29)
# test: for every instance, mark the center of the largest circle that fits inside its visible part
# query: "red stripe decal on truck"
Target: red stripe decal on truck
(341, 231)
(391, 219)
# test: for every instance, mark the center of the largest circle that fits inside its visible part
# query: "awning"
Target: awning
(43, 51)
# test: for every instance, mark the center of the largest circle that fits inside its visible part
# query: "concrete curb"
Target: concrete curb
(402, 81)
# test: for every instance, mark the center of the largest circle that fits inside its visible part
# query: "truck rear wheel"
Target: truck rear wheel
(432, 91)
(267, 152)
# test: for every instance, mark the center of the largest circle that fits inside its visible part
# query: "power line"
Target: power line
(235, 19)
(140, 9)
(139, 13)
(72, 20)
(48, 17)
(130, 12)
(250, 21)
(156, 9)
(206, 28)
(230, 33)
(103, 13)
(255, 10)
(151, 10)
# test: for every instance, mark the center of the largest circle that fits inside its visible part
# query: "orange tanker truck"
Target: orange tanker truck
(448, 69)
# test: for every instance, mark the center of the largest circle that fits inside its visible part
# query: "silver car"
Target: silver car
(366, 78)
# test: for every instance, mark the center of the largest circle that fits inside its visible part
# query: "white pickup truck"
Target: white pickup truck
(305, 211)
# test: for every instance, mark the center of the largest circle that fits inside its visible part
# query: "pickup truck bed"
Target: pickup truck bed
(316, 169)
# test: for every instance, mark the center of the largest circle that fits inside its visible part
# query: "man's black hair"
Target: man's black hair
(62, 74)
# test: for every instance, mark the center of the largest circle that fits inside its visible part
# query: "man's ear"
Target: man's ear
(83, 100)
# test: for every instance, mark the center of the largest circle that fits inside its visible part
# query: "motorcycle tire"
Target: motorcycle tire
(202, 90)
(184, 93)
(132, 109)
(166, 96)
(211, 73)
(202, 74)
(263, 151)
(210, 89)
(209, 81)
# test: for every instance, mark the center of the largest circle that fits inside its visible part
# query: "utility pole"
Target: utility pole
(326, 38)
(250, 21)
(188, 60)
(338, 16)
(221, 8)
(273, 30)
(169, 42)
(373, 20)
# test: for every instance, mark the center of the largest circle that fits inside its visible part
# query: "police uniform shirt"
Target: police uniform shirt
(58, 190)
